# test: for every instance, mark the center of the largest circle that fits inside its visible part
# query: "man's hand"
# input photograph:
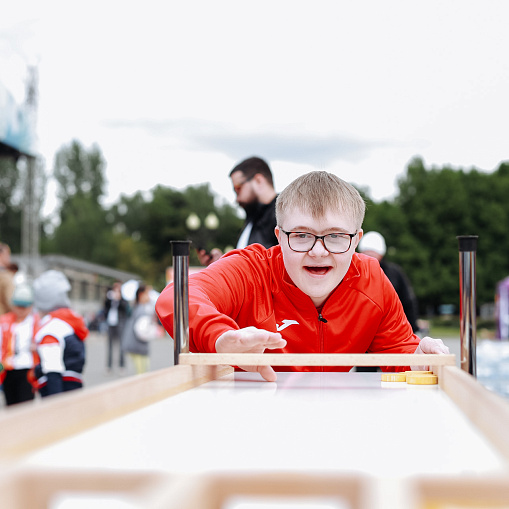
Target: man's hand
(429, 345)
(206, 258)
(251, 340)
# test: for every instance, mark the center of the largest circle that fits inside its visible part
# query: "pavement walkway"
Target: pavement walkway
(161, 356)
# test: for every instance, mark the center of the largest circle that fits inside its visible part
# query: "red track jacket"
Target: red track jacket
(250, 287)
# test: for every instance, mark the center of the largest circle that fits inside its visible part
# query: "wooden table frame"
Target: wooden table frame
(80, 410)
(315, 359)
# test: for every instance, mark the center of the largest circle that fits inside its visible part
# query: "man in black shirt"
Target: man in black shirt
(254, 186)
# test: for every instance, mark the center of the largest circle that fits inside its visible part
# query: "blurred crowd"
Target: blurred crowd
(42, 339)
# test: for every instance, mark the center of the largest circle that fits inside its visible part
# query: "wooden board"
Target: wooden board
(221, 434)
(306, 421)
(314, 359)
(40, 488)
(31, 425)
(485, 409)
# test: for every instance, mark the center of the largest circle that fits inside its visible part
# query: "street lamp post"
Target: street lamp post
(201, 229)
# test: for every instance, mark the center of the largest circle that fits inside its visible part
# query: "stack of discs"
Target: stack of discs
(412, 377)
(418, 378)
(393, 377)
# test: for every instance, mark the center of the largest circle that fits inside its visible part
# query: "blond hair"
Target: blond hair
(319, 192)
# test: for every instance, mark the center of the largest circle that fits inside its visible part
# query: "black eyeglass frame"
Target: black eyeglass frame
(322, 238)
(238, 188)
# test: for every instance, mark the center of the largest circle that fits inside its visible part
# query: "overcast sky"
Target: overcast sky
(177, 92)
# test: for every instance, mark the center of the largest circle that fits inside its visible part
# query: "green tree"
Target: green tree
(441, 204)
(11, 199)
(83, 232)
(79, 171)
(152, 221)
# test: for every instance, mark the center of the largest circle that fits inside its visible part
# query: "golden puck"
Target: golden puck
(419, 372)
(393, 377)
(422, 379)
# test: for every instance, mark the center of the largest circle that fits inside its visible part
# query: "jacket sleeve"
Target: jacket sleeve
(51, 354)
(216, 297)
(55, 384)
(394, 334)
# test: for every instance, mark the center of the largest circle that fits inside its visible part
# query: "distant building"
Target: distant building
(89, 281)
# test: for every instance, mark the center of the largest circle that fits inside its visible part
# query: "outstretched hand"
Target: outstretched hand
(430, 345)
(251, 340)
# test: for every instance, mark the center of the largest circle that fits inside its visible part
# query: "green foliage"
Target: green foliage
(433, 207)
(10, 204)
(152, 222)
(80, 231)
(79, 172)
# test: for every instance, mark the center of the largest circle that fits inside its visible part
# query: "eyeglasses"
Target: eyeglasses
(336, 243)
(238, 188)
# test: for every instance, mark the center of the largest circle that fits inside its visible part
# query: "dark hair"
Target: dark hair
(141, 288)
(252, 166)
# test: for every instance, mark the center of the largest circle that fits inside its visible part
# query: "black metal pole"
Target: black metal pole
(468, 327)
(180, 250)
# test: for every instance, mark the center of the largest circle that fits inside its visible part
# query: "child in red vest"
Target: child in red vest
(17, 351)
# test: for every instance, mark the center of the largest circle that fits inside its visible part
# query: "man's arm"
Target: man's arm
(229, 292)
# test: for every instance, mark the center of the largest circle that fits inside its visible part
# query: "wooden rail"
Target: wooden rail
(315, 359)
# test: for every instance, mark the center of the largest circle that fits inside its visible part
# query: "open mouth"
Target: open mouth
(318, 270)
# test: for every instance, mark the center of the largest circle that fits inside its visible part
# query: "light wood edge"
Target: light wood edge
(212, 490)
(464, 491)
(32, 425)
(315, 359)
(36, 488)
(359, 491)
(488, 411)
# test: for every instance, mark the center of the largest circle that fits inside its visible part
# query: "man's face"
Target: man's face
(317, 273)
(243, 189)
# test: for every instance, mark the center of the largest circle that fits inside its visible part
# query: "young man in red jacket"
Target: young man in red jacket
(310, 294)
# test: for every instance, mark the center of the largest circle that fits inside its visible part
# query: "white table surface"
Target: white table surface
(334, 422)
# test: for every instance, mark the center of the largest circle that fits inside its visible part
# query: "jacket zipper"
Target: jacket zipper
(322, 321)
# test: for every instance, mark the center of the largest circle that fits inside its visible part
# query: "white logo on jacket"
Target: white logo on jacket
(286, 323)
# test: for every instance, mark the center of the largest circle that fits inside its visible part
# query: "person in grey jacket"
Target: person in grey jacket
(141, 327)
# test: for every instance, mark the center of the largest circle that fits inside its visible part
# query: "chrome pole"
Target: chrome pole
(467, 255)
(180, 250)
